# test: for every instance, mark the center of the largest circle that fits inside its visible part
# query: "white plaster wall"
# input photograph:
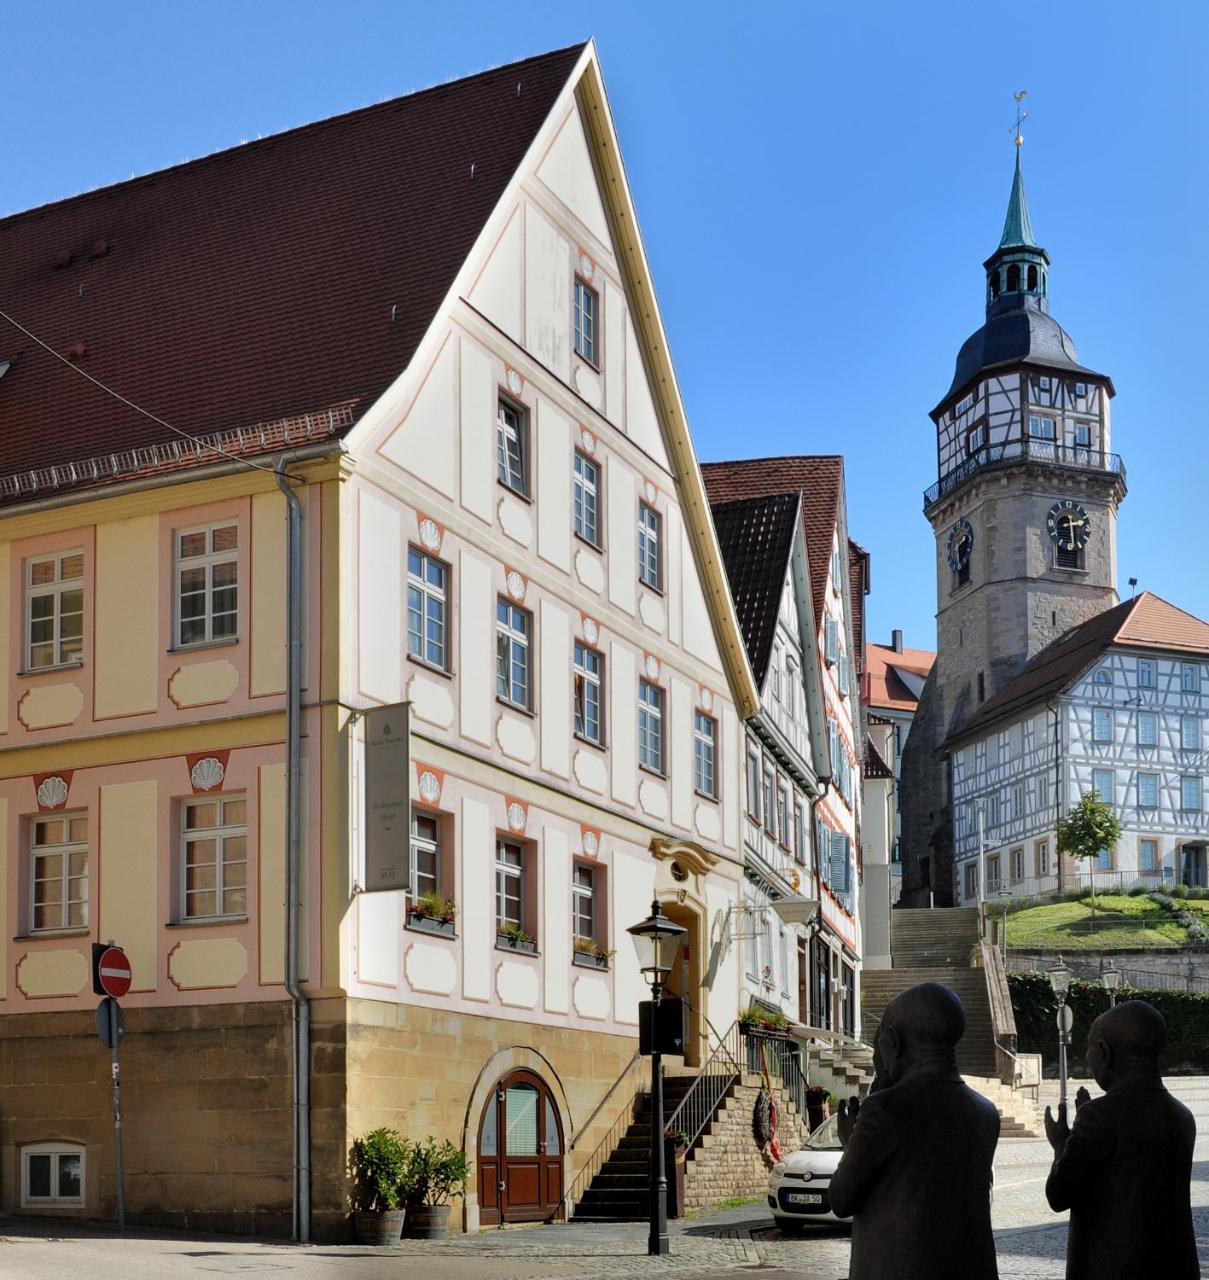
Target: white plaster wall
(476, 660)
(378, 918)
(553, 486)
(498, 293)
(682, 701)
(622, 534)
(555, 658)
(632, 885)
(555, 941)
(425, 441)
(547, 294)
(379, 617)
(616, 321)
(476, 921)
(567, 170)
(674, 587)
(478, 430)
(623, 729)
(642, 422)
(698, 628)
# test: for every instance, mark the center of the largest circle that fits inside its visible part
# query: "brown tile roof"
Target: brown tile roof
(820, 481)
(882, 686)
(756, 537)
(1146, 621)
(281, 277)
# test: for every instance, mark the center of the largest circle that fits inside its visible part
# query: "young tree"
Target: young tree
(1085, 832)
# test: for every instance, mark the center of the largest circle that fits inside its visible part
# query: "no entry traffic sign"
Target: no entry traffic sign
(111, 974)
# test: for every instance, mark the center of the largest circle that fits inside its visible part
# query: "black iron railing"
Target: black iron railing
(1047, 452)
(699, 1105)
(782, 1058)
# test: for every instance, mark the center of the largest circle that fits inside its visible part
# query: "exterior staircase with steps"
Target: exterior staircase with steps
(1019, 1115)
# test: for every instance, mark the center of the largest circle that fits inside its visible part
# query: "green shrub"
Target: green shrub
(1138, 891)
(378, 1164)
(1180, 891)
(435, 1172)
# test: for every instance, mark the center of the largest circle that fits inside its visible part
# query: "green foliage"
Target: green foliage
(435, 907)
(1089, 828)
(378, 1164)
(761, 1020)
(436, 1171)
(1036, 1008)
(515, 934)
(1120, 922)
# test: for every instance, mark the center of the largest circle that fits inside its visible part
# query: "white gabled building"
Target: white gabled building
(1119, 705)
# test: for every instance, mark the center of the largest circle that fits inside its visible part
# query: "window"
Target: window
(971, 882)
(843, 666)
(1102, 783)
(1042, 789)
(1148, 857)
(1016, 865)
(1190, 677)
(587, 499)
(1190, 733)
(753, 786)
(836, 570)
(783, 816)
(1080, 390)
(52, 1174)
(427, 609)
(589, 694)
(59, 867)
(799, 834)
(1082, 435)
(214, 857)
(1147, 673)
(1043, 383)
(1148, 790)
(1148, 729)
(587, 308)
(207, 590)
(1190, 794)
(650, 535)
(1103, 677)
(993, 816)
(775, 664)
(583, 903)
(1041, 857)
(512, 653)
(1042, 428)
(1104, 860)
(770, 802)
(509, 886)
(705, 738)
(1068, 558)
(1101, 725)
(831, 640)
(425, 854)
(650, 726)
(975, 438)
(993, 880)
(54, 610)
(511, 445)
(1018, 800)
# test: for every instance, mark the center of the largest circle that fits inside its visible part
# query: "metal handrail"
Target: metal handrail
(587, 1124)
(786, 1063)
(718, 1073)
(1027, 450)
(608, 1144)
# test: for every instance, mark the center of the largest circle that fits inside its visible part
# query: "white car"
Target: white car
(798, 1187)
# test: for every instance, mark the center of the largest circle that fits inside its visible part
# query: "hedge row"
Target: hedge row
(1036, 1010)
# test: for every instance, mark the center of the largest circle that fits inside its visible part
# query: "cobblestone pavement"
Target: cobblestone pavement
(1031, 1242)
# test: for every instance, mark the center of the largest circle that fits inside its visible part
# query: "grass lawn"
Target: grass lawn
(1116, 923)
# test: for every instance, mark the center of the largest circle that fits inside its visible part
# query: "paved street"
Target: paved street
(1031, 1242)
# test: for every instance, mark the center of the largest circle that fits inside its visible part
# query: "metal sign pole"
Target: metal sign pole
(114, 1039)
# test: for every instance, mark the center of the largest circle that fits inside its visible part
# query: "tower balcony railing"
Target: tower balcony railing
(1047, 452)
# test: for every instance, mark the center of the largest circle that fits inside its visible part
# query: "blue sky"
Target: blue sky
(817, 183)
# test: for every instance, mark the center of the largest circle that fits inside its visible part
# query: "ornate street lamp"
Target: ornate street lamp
(1060, 979)
(657, 942)
(1111, 978)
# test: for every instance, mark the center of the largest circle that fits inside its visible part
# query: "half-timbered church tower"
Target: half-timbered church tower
(1024, 514)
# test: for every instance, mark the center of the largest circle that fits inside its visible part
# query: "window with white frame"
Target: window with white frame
(1016, 865)
(1148, 729)
(650, 727)
(1041, 857)
(1103, 677)
(1147, 673)
(975, 438)
(509, 886)
(1102, 783)
(1101, 724)
(1190, 677)
(1082, 435)
(207, 584)
(511, 446)
(589, 694)
(1148, 790)
(650, 539)
(753, 786)
(586, 499)
(705, 749)
(775, 664)
(799, 833)
(783, 816)
(1041, 790)
(993, 880)
(587, 310)
(1042, 428)
(54, 610)
(1190, 794)
(425, 854)
(993, 810)
(214, 857)
(971, 882)
(1148, 857)
(583, 903)
(1018, 801)
(513, 653)
(59, 872)
(1104, 860)
(52, 1175)
(1190, 733)
(427, 609)
(770, 802)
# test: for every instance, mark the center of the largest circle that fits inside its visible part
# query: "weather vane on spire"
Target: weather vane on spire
(1021, 116)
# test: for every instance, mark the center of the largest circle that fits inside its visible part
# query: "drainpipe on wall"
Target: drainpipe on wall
(301, 1025)
(1057, 790)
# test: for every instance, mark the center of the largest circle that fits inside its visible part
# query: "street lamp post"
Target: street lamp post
(1111, 977)
(1060, 979)
(657, 942)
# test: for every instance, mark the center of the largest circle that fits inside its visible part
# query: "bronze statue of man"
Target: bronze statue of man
(915, 1176)
(1124, 1170)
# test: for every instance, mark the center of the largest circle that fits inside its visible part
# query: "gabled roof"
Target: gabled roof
(894, 678)
(756, 537)
(1145, 622)
(874, 766)
(282, 277)
(820, 481)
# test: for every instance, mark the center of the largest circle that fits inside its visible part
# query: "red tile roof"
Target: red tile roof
(282, 277)
(820, 481)
(882, 686)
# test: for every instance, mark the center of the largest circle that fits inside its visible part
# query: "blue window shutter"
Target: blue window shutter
(847, 867)
(839, 856)
(831, 640)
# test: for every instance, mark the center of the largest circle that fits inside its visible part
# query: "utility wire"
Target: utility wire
(109, 391)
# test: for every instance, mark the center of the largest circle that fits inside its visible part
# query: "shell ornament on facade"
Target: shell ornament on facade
(516, 585)
(591, 630)
(651, 492)
(516, 384)
(207, 774)
(651, 667)
(591, 843)
(588, 440)
(707, 699)
(586, 267)
(430, 534)
(430, 788)
(517, 817)
(52, 793)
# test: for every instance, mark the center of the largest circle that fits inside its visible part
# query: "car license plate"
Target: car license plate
(803, 1197)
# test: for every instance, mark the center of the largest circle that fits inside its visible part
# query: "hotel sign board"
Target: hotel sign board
(387, 798)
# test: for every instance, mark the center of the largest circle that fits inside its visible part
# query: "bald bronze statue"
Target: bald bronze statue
(915, 1176)
(1125, 1169)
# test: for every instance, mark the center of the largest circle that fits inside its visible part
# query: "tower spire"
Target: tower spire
(1017, 271)
(1018, 226)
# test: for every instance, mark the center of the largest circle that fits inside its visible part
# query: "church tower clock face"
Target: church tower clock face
(961, 544)
(1068, 525)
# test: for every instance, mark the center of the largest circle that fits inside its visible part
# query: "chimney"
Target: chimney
(896, 640)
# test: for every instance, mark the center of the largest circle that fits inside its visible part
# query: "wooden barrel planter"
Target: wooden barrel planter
(379, 1228)
(427, 1222)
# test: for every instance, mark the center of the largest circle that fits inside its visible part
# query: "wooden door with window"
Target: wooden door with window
(520, 1152)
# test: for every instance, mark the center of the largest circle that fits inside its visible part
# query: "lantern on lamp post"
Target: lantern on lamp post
(1111, 978)
(1060, 976)
(657, 944)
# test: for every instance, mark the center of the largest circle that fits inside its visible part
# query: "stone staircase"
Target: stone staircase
(1019, 1115)
(850, 1068)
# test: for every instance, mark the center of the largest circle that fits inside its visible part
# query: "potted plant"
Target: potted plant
(378, 1164)
(675, 1143)
(590, 954)
(432, 913)
(516, 939)
(436, 1172)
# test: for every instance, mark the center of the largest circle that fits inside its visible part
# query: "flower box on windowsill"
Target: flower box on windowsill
(527, 946)
(587, 960)
(430, 924)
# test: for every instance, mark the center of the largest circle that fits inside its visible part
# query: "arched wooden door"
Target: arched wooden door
(520, 1152)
